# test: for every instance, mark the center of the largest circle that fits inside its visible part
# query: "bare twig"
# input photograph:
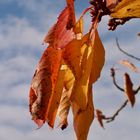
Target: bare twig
(137, 90)
(112, 118)
(114, 80)
(126, 53)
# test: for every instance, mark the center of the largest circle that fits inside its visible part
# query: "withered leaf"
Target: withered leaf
(128, 64)
(43, 83)
(59, 36)
(128, 87)
(63, 110)
(127, 9)
(100, 117)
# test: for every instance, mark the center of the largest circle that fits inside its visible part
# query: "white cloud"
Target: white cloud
(20, 50)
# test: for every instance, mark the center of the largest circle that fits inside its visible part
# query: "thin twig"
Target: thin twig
(112, 118)
(126, 53)
(114, 80)
(137, 90)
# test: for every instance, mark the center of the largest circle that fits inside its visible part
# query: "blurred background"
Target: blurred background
(23, 25)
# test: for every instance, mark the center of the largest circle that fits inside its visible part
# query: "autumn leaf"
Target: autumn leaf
(64, 108)
(43, 83)
(98, 58)
(72, 52)
(83, 118)
(72, 19)
(59, 36)
(129, 65)
(128, 87)
(100, 117)
(127, 9)
(55, 99)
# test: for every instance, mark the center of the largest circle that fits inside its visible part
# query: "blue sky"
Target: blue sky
(23, 25)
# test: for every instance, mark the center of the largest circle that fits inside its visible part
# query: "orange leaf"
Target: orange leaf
(128, 87)
(55, 99)
(100, 117)
(129, 65)
(72, 56)
(43, 83)
(83, 118)
(98, 58)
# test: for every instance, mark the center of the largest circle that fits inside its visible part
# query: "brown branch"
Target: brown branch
(114, 79)
(112, 118)
(124, 52)
(137, 90)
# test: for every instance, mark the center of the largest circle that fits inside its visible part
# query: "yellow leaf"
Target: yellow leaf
(98, 58)
(63, 109)
(81, 85)
(126, 9)
(128, 87)
(78, 29)
(92, 61)
(83, 118)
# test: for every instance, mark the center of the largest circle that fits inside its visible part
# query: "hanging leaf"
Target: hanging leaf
(98, 58)
(127, 9)
(72, 19)
(43, 84)
(55, 99)
(59, 36)
(63, 110)
(72, 56)
(129, 65)
(83, 118)
(128, 87)
(100, 117)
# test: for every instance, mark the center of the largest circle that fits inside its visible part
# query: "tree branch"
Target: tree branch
(112, 118)
(114, 79)
(126, 53)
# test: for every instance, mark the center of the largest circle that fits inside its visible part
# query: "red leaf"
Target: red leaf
(61, 33)
(100, 117)
(128, 87)
(43, 84)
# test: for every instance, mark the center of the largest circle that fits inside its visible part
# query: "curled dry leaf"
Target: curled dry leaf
(127, 9)
(128, 87)
(64, 109)
(65, 101)
(128, 64)
(100, 117)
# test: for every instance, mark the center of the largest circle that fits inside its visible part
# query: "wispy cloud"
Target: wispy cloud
(20, 49)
